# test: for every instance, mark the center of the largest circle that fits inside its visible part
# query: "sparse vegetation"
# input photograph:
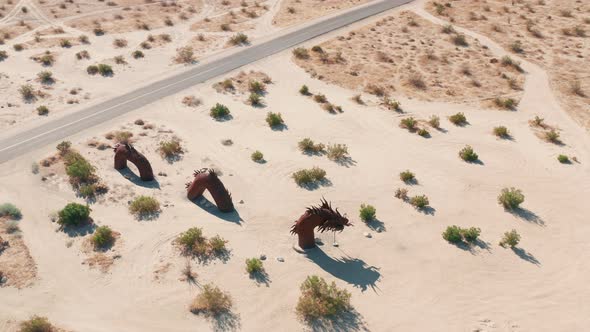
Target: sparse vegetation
(42, 110)
(239, 39)
(144, 207)
(552, 136)
(337, 152)
(193, 242)
(511, 198)
(257, 156)
(212, 301)
(501, 132)
(73, 214)
(10, 210)
(185, 55)
(307, 177)
(419, 201)
(255, 99)
(304, 90)
(455, 234)
(408, 123)
(407, 176)
(319, 299)
(219, 111)
(301, 53)
(308, 146)
(510, 239)
(505, 103)
(458, 119)
(367, 212)
(467, 154)
(137, 54)
(459, 40)
(103, 236)
(36, 324)
(563, 159)
(274, 120)
(434, 121)
(254, 265)
(170, 148)
(46, 77)
(27, 92)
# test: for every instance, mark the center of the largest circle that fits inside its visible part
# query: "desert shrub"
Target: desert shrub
(10, 210)
(120, 60)
(47, 59)
(501, 132)
(83, 39)
(468, 154)
(459, 40)
(137, 54)
(419, 201)
(304, 90)
(471, 234)
(254, 265)
(256, 87)
(212, 301)
(92, 69)
(407, 176)
(552, 136)
(102, 237)
(417, 81)
(310, 176)
(367, 212)
(319, 299)
(123, 136)
(191, 238)
(64, 147)
(375, 89)
(516, 47)
(458, 119)
(392, 104)
(217, 244)
(36, 324)
(3, 55)
(511, 198)
(510, 239)
(448, 29)
(537, 122)
(18, 47)
(337, 152)
(170, 148)
(320, 98)
(73, 214)
(505, 103)
(308, 146)
(408, 123)
(144, 206)
(255, 99)
(257, 156)
(453, 234)
(120, 42)
(401, 193)
(301, 53)
(88, 190)
(239, 39)
(423, 132)
(358, 99)
(219, 111)
(227, 84)
(509, 62)
(191, 101)
(46, 77)
(274, 119)
(185, 55)
(78, 168)
(105, 70)
(575, 88)
(27, 92)
(563, 159)
(434, 121)
(42, 110)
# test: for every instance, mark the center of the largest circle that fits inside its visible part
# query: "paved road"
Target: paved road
(57, 129)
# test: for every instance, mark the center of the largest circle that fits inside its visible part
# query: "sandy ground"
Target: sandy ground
(554, 35)
(296, 11)
(404, 278)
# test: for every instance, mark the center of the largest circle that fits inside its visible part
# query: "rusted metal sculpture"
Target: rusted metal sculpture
(126, 151)
(323, 217)
(207, 179)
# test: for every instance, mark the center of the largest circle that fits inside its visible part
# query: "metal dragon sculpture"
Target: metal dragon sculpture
(207, 179)
(125, 152)
(323, 217)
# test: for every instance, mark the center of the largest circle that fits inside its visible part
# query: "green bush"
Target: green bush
(10, 210)
(367, 212)
(137, 54)
(563, 159)
(407, 176)
(255, 99)
(304, 90)
(471, 234)
(102, 237)
(453, 234)
(408, 123)
(73, 214)
(170, 148)
(319, 299)
(423, 132)
(459, 40)
(256, 87)
(105, 70)
(217, 244)
(219, 111)
(64, 147)
(434, 121)
(36, 324)
(301, 53)
(191, 238)
(87, 190)
(337, 152)
(257, 156)
(42, 110)
(501, 132)
(506, 103)
(320, 98)
(308, 146)
(46, 77)
(468, 154)
(309, 176)
(458, 119)
(552, 136)
(511, 198)
(419, 201)
(274, 119)
(92, 69)
(510, 239)
(239, 39)
(144, 206)
(254, 265)
(78, 168)
(212, 301)
(27, 92)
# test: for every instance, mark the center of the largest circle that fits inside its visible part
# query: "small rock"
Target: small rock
(263, 257)
(162, 174)
(335, 244)
(368, 235)
(241, 201)
(280, 259)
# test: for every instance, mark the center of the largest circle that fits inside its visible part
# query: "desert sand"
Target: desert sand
(402, 277)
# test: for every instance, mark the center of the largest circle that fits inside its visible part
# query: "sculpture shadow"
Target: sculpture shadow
(527, 215)
(527, 256)
(135, 179)
(80, 230)
(350, 320)
(376, 225)
(211, 208)
(226, 321)
(261, 278)
(351, 270)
